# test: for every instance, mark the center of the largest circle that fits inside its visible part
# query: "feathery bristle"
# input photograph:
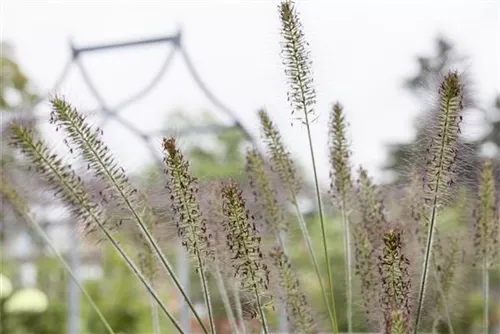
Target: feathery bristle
(486, 217)
(243, 240)
(264, 193)
(296, 60)
(183, 188)
(97, 155)
(364, 267)
(443, 147)
(447, 259)
(395, 295)
(340, 174)
(280, 156)
(68, 187)
(298, 310)
(371, 208)
(414, 203)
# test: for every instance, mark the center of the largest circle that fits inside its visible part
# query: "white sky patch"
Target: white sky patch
(362, 52)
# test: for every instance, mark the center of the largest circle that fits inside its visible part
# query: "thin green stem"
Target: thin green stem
(486, 297)
(443, 297)
(307, 238)
(206, 294)
(321, 218)
(138, 274)
(154, 317)
(347, 251)
(444, 143)
(239, 310)
(428, 251)
(261, 310)
(66, 266)
(75, 194)
(225, 300)
(138, 219)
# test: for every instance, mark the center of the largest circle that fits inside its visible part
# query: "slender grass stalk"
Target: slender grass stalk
(348, 267)
(302, 97)
(486, 297)
(416, 204)
(72, 192)
(341, 187)
(239, 309)
(19, 206)
(155, 320)
(284, 165)
(443, 298)
(102, 162)
(219, 280)
(442, 154)
(261, 310)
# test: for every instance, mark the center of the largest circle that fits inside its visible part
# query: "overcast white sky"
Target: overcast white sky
(361, 51)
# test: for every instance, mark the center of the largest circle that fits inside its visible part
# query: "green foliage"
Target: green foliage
(15, 87)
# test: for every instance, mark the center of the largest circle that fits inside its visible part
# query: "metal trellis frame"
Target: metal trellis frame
(109, 113)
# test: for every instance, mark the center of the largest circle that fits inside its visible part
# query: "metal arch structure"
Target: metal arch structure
(113, 113)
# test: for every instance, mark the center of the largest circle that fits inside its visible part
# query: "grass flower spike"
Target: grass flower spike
(244, 242)
(298, 311)
(100, 160)
(440, 161)
(265, 194)
(395, 298)
(486, 231)
(302, 97)
(70, 189)
(280, 156)
(341, 188)
(191, 226)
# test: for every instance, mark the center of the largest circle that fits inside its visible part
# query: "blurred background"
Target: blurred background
(200, 70)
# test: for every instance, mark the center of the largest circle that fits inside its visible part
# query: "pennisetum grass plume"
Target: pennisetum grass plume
(302, 97)
(71, 191)
(370, 208)
(395, 295)
(273, 212)
(266, 195)
(87, 141)
(341, 188)
(191, 226)
(440, 160)
(486, 231)
(298, 311)
(21, 209)
(283, 164)
(364, 267)
(210, 199)
(244, 243)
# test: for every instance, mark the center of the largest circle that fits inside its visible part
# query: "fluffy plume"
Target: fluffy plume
(280, 156)
(486, 217)
(395, 295)
(264, 193)
(299, 313)
(340, 174)
(296, 60)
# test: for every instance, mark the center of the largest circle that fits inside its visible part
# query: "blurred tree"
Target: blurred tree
(15, 87)
(431, 68)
